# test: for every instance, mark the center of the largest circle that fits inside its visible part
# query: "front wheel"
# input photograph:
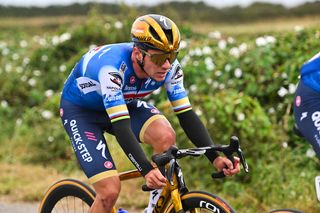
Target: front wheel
(199, 201)
(67, 196)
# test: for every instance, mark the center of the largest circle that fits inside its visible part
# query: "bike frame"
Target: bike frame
(170, 192)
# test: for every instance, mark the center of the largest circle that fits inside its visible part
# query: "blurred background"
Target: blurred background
(241, 61)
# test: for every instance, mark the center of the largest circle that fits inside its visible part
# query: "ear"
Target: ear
(137, 53)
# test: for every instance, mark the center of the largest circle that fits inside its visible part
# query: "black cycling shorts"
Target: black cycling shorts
(85, 128)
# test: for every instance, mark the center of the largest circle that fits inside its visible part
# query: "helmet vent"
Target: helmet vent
(154, 33)
(169, 35)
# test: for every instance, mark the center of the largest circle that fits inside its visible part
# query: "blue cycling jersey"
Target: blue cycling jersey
(104, 79)
(310, 73)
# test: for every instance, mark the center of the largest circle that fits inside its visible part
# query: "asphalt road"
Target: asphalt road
(19, 207)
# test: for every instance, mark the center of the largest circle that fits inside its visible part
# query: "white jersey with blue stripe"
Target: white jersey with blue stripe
(104, 79)
(310, 73)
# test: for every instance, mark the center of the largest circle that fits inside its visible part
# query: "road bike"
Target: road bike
(71, 195)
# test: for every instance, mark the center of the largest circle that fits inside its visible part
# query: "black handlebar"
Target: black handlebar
(175, 153)
(228, 150)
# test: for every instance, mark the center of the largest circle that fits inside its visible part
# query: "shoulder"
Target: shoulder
(312, 64)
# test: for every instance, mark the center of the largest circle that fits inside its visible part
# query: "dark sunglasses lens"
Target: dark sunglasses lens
(160, 59)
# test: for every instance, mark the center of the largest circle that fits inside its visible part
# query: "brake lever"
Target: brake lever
(234, 147)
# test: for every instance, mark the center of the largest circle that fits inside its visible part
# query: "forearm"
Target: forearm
(196, 132)
(130, 145)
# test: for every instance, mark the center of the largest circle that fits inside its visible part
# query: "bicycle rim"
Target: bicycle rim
(198, 201)
(286, 211)
(67, 196)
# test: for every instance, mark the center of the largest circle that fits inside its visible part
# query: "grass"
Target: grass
(258, 27)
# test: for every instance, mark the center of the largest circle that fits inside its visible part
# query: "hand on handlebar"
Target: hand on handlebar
(155, 180)
(225, 165)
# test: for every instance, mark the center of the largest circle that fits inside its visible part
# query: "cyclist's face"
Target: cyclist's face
(152, 60)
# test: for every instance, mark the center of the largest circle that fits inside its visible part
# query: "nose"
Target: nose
(166, 64)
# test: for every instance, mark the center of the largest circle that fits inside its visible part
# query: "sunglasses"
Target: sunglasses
(160, 59)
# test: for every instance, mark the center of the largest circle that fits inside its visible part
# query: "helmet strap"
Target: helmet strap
(141, 63)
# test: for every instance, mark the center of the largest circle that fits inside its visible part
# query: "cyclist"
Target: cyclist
(307, 103)
(103, 93)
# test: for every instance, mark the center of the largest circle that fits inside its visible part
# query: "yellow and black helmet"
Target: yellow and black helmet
(155, 32)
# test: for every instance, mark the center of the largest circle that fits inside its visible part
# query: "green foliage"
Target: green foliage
(238, 86)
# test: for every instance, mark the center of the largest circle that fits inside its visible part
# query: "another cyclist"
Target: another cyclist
(307, 102)
(103, 93)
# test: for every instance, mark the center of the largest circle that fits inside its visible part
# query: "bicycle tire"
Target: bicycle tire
(77, 192)
(204, 201)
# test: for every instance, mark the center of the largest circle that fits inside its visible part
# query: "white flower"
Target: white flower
(4, 104)
(209, 81)
(5, 51)
(8, 67)
(32, 82)
(118, 25)
(198, 112)
(222, 44)
(48, 93)
(230, 40)
(62, 68)
(298, 28)
(209, 63)
(19, 122)
(227, 67)
(214, 35)
(265, 40)
(44, 58)
(235, 52)
(15, 56)
(212, 120)
(50, 138)
(206, 50)
(198, 52)
(184, 61)
(238, 73)
(284, 75)
(261, 41)
(292, 88)
(243, 47)
(310, 153)
(271, 110)
(36, 73)
(282, 92)
(218, 73)
(222, 86)
(193, 88)
(65, 37)
(46, 114)
(183, 44)
(23, 43)
(23, 78)
(25, 61)
(241, 116)
(285, 145)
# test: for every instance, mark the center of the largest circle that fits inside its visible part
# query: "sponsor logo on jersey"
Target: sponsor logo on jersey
(132, 80)
(111, 98)
(123, 67)
(87, 85)
(108, 164)
(116, 78)
(298, 100)
(177, 73)
(130, 88)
